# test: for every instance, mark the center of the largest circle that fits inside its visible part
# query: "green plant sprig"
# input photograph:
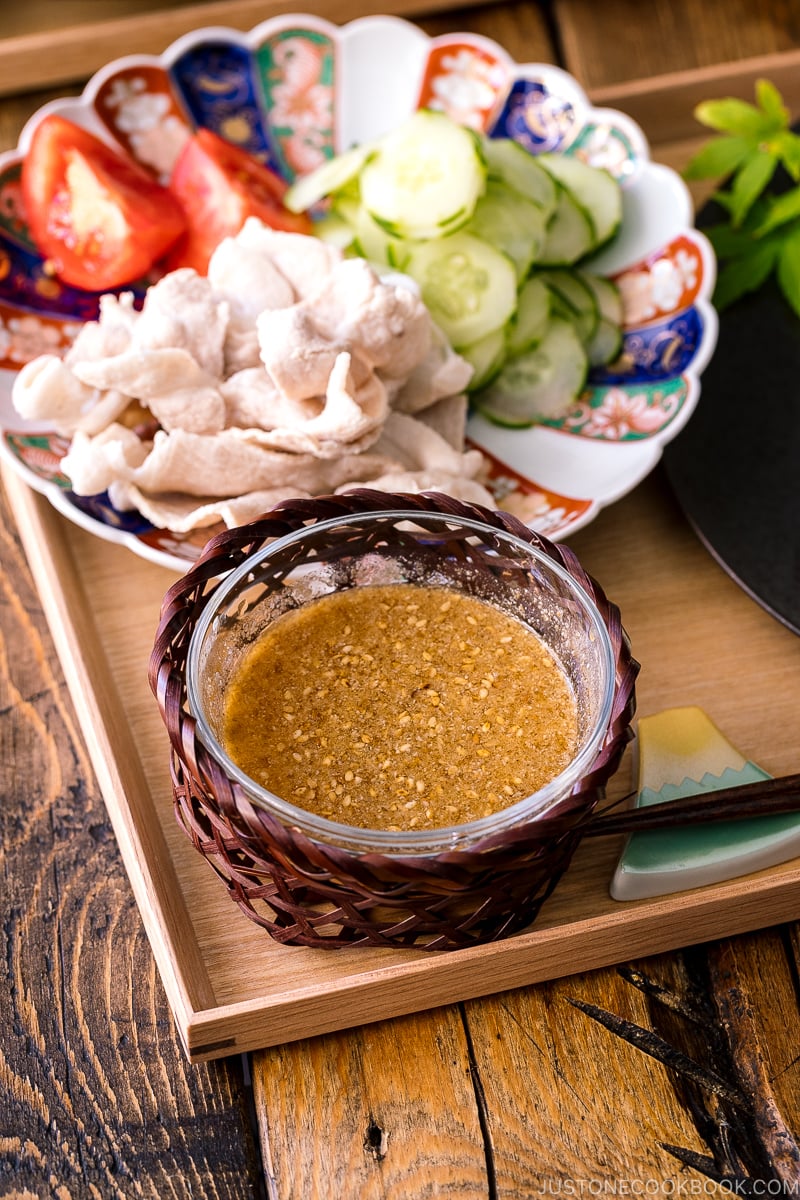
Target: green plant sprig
(762, 234)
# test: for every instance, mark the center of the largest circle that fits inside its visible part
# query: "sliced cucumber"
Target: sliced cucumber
(542, 383)
(329, 177)
(607, 295)
(425, 178)
(606, 344)
(373, 242)
(492, 236)
(595, 190)
(486, 357)
(334, 229)
(570, 235)
(512, 223)
(469, 287)
(511, 163)
(528, 324)
(575, 300)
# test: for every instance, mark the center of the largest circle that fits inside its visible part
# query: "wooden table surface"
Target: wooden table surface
(655, 1078)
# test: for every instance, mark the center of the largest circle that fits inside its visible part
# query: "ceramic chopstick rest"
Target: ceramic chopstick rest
(681, 752)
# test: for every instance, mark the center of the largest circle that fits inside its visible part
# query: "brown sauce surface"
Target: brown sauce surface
(400, 707)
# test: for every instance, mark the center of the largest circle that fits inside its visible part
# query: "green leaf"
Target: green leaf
(749, 182)
(781, 210)
(736, 117)
(770, 101)
(787, 147)
(745, 275)
(757, 214)
(718, 157)
(788, 270)
(729, 243)
(760, 231)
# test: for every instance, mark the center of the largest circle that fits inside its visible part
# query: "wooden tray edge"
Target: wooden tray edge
(762, 900)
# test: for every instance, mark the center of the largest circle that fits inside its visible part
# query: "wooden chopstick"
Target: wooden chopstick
(765, 797)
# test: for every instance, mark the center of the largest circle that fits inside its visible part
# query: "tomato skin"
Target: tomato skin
(219, 186)
(100, 220)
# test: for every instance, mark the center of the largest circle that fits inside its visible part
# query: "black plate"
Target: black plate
(735, 468)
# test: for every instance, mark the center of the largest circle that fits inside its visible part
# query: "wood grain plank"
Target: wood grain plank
(36, 16)
(698, 1065)
(555, 1122)
(657, 71)
(384, 1112)
(96, 1094)
(755, 995)
(666, 111)
(520, 27)
(723, 1021)
(606, 44)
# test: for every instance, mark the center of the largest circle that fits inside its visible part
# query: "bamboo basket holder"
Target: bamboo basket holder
(306, 892)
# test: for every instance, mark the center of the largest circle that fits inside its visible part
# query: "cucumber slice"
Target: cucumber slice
(576, 301)
(511, 163)
(486, 357)
(606, 345)
(507, 220)
(570, 234)
(469, 287)
(594, 189)
(542, 383)
(606, 293)
(424, 179)
(528, 324)
(334, 229)
(371, 241)
(327, 178)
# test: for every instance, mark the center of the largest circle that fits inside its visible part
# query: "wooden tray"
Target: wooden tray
(231, 988)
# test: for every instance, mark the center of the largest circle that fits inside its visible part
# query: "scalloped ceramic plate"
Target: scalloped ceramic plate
(296, 90)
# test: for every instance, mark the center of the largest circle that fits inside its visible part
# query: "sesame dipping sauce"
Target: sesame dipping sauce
(400, 707)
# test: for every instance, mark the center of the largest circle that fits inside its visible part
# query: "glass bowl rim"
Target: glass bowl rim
(360, 839)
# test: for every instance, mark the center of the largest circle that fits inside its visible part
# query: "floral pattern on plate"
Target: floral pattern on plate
(296, 90)
(625, 412)
(667, 282)
(218, 82)
(138, 106)
(297, 72)
(465, 77)
(24, 336)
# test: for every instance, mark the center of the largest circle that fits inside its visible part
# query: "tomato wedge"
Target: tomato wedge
(97, 217)
(219, 186)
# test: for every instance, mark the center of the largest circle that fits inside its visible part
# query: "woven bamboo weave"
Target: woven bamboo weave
(304, 892)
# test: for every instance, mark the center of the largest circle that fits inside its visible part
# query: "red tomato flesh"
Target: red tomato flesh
(99, 219)
(219, 186)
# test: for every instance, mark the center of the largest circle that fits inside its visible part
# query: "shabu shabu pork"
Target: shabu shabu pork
(288, 371)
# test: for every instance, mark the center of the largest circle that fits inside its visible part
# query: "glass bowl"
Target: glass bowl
(363, 550)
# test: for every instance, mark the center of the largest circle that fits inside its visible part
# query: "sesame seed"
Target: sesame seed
(364, 684)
